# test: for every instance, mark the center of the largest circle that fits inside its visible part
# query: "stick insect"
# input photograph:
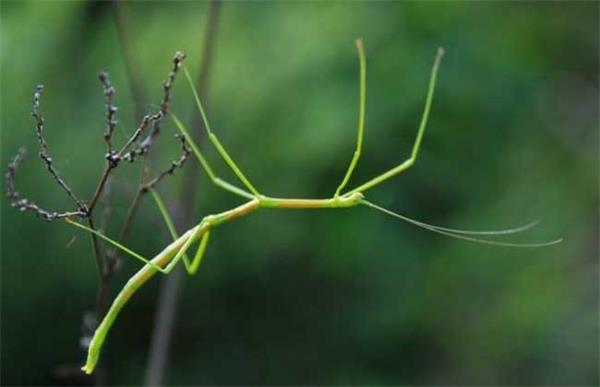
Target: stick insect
(166, 260)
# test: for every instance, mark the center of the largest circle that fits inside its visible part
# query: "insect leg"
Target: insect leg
(211, 174)
(361, 115)
(415, 151)
(117, 245)
(215, 141)
(190, 267)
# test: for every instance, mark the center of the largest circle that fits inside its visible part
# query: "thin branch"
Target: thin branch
(106, 263)
(185, 152)
(111, 110)
(137, 90)
(24, 204)
(44, 155)
(145, 145)
(100, 187)
(114, 158)
(102, 270)
(146, 120)
(106, 208)
(144, 188)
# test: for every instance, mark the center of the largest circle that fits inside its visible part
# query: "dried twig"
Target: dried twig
(185, 152)
(145, 145)
(24, 204)
(111, 110)
(143, 149)
(114, 158)
(39, 129)
(106, 263)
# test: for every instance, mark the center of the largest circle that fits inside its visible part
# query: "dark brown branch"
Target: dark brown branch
(26, 205)
(143, 188)
(137, 91)
(106, 208)
(39, 128)
(168, 84)
(114, 158)
(105, 260)
(111, 110)
(185, 152)
(99, 187)
(131, 155)
(101, 266)
(145, 145)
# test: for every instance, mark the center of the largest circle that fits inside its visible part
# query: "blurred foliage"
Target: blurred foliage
(345, 297)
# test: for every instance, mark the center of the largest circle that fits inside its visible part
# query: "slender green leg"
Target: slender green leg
(193, 267)
(415, 151)
(215, 141)
(138, 256)
(211, 174)
(190, 267)
(361, 115)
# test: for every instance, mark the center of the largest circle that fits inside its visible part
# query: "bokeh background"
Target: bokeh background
(319, 297)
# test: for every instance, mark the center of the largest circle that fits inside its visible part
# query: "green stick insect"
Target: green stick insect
(165, 261)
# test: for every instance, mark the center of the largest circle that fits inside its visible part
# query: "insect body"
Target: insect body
(165, 261)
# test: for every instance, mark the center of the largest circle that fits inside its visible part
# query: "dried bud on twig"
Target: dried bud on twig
(185, 152)
(111, 110)
(39, 128)
(24, 204)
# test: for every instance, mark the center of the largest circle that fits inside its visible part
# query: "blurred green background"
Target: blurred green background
(320, 297)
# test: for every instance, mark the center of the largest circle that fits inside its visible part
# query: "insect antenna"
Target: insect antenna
(468, 234)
